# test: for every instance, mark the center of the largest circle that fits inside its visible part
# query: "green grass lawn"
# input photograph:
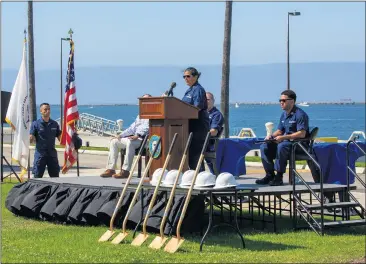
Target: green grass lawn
(26, 240)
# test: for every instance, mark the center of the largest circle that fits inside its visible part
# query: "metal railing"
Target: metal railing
(97, 125)
(320, 199)
(350, 170)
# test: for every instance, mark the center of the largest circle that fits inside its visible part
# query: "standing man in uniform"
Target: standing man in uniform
(130, 139)
(44, 131)
(294, 124)
(196, 95)
(216, 125)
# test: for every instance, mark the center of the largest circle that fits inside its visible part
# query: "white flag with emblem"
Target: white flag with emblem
(17, 116)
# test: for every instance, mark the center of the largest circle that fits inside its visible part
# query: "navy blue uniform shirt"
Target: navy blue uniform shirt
(216, 122)
(216, 119)
(196, 95)
(45, 134)
(295, 121)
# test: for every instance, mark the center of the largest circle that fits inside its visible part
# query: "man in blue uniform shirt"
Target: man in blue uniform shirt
(294, 124)
(196, 95)
(44, 131)
(216, 123)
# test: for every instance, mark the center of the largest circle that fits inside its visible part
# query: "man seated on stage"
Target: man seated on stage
(44, 131)
(216, 123)
(130, 139)
(294, 124)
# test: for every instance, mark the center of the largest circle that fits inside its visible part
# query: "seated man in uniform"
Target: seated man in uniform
(44, 131)
(216, 123)
(130, 139)
(294, 124)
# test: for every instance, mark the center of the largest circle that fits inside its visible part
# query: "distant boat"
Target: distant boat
(303, 104)
(236, 105)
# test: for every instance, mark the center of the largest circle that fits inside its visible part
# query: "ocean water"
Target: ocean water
(333, 120)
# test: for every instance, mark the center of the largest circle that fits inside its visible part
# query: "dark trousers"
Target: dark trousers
(281, 153)
(195, 149)
(210, 165)
(273, 151)
(40, 162)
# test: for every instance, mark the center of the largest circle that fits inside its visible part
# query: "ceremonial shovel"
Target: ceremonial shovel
(141, 238)
(108, 234)
(121, 236)
(176, 242)
(159, 241)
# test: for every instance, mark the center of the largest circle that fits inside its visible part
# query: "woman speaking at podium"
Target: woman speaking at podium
(196, 95)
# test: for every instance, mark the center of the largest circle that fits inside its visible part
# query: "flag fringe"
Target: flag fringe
(23, 170)
(10, 123)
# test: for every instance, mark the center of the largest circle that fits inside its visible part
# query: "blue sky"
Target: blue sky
(183, 33)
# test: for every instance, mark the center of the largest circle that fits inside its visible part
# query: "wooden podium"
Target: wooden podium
(168, 115)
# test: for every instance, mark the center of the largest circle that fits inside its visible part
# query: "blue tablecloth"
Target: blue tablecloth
(230, 157)
(230, 154)
(332, 160)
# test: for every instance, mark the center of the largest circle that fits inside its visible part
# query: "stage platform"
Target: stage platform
(90, 200)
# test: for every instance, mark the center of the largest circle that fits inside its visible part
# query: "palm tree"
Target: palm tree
(32, 81)
(226, 67)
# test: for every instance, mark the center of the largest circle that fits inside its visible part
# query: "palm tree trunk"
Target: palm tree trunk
(32, 81)
(226, 67)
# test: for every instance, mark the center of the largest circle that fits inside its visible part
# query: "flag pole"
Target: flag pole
(77, 162)
(77, 152)
(28, 167)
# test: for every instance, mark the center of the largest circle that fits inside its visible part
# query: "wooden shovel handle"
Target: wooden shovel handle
(139, 187)
(172, 192)
(191, 187)
(152, 202)
(126, 184)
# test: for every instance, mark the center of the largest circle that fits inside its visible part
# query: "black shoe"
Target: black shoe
(276, 182)
(265, 180)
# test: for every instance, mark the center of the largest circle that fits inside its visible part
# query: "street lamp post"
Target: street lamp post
(288, 45)
(61, 93)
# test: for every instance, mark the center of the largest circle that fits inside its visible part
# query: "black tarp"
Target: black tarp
(92, 205)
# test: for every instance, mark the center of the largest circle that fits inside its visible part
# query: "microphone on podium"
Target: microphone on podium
(170, 91)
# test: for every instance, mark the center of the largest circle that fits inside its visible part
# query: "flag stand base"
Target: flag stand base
(11, 168)
(4, 159)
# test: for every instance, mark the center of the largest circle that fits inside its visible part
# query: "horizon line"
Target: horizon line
(197, 65)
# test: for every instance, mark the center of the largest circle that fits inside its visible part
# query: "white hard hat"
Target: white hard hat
(205, 179)
(170, 178)
(187, 178)
(225, 180)
(156, 175)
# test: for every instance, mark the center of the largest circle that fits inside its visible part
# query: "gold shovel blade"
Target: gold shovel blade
(173, 245)
(139, 240)
(106, 236)
(119, 238)
(158, 242)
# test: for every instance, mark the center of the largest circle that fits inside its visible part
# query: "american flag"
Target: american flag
(71, 114)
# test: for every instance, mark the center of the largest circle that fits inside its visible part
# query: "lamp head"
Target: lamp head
(295, 13)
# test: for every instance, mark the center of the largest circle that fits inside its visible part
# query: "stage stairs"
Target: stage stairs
(346, 212)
